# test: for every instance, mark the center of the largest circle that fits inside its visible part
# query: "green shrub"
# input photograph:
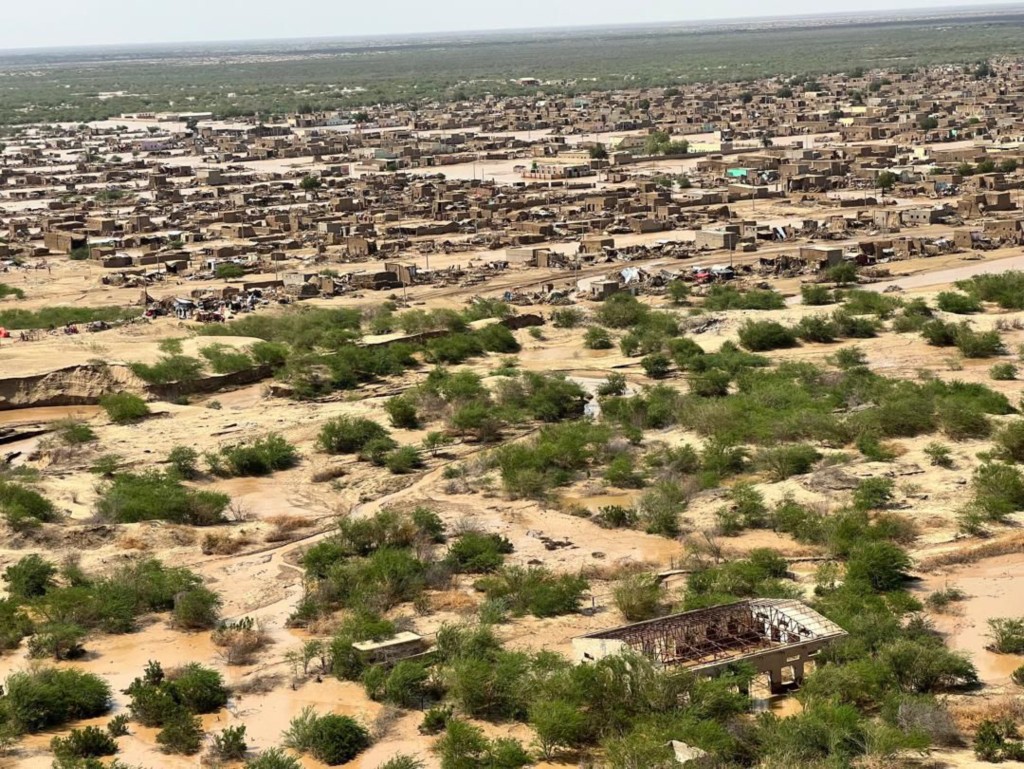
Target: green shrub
(725, 297)
(473, 552)
(759, 336)
(226, 360)
(567, 317)
(816, 295)
(998, 490)
(858, 302)
(89, 742)
(402, 413)
(154, 496)
(1005, 289)
(785, 461)
(873, 493)
(29, 578)
(1003, 372)
(403, 460)
(1010, 441)
(1007, 634)
(182, 733)
(58, 641)
(272, 354)
(639, 597)
(656, 366)
(616, 517)
(196, 609)
(6, 291)
(54, 316)
(348, 435)
(597, 338)
(962, 421)
(939, 455)
(273, 758)
(329, 738)
(621, 311)
(258, 457)
(230, 744)
(1018, 676)
(960, 304)
(939, 333)
(74, 432)
(15, 624)
(23, 508)
(45, 698)
(534, 590)
(184, 461)
(124, 408)
(979, 344)
(464, 746)
(228, 271)
(881, 565)
(996, 741)
(169, 369)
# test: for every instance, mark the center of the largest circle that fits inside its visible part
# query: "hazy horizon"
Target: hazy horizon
(110, 23)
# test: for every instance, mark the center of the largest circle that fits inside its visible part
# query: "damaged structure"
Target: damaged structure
(777, 636)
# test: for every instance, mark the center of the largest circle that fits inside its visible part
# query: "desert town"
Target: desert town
(671, 373)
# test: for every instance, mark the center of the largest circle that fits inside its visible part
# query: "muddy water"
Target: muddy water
(47, 414)
(994, 588)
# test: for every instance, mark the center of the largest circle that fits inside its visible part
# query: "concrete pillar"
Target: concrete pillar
(798, 673)
(775, 681)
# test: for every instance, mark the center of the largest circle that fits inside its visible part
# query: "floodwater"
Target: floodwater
(993, 590)
(46, 414)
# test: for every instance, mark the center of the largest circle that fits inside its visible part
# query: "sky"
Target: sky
(53, 23)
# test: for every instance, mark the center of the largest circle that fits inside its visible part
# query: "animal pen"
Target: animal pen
(775, 635)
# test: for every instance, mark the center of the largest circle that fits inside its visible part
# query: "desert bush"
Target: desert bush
(74, 432)
(473, 552)
(273, 758)
(597, 338)
(1003, 372)
(181, 733)
(240, 641)
(656, 366)
(955, 302)
(402, 412)
(979, 344)
(534, 590)
(849, 357)
(1010, 441)
(1007, 634)
(939, 455)
(403, 460)
(881, 565)
(226, 360)
(783, 462)
(329, 738)
(567, 317)
(621, 311)
(90, 742)
(272, 354)
(24, 508)
(349, 435)
(464, 746)
(639, 597)
(616, 517)
(725, 297)
(815, 295)
(257, 457)
(873, 493)
(939, 333)
(169, 369)
(124, 408)
(230, 744)
(940, 600)
(759, 336)
(152, 496)
(859, 302)
(15, 624)
(998, 740)
(1002, 288)
(29, 578)
(184, 460)
(998, 490)
(45, 698)
(196, 609)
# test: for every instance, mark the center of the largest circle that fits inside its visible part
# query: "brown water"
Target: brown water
(46, 414)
